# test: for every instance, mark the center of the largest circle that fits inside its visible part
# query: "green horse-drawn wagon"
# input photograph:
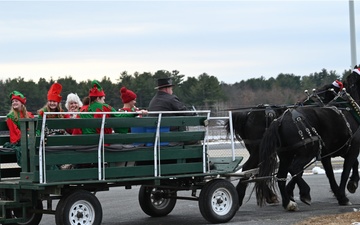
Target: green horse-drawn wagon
(72, 168)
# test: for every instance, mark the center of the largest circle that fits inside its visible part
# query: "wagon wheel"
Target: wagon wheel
(156, 202)
(31, 217)
(79, 207)
(218, 201)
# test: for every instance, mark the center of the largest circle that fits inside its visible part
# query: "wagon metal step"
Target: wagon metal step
(244, 174)
(226, 163)
(8, 205)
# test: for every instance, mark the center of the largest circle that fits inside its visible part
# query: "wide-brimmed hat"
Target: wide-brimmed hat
(54, 93)
(17, 95)
(163, 83)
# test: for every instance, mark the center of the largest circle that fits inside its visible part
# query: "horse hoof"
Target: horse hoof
(306, 200)
(292, 206)
(272, 200)
(352, 186)
(344, 201)
(292, 198)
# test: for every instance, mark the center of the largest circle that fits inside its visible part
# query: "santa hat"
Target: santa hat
(127, 95)
(96, 90)
(17, 95)
(54, 93)
(338, 84)
(356, 70)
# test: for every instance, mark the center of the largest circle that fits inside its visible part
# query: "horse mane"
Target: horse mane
(239, 118)
(324, 93)
(352, 84)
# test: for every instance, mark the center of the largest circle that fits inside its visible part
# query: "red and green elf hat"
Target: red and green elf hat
(96, 89)
(54, 93)
(17, 95)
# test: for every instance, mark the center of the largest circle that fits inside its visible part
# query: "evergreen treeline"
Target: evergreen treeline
(202, 92)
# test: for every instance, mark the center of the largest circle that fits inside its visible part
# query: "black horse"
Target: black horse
(304, 133)
(249, 126)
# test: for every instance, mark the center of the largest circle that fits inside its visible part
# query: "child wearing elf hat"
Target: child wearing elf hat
(96, 104)
(53, 104)
(128, 97)
(17, 111)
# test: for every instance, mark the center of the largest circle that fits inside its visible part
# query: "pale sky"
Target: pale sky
(232, 40)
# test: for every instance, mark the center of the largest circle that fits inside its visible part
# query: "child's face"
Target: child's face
(132, 103)
(52, 104)
(16, 104)
(101, 99)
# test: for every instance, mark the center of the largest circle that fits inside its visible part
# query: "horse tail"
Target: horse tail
(268, 162)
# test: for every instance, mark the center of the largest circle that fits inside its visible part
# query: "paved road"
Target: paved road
(120, 207)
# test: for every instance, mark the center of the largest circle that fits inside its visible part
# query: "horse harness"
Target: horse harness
(270, 115)
(312, 136)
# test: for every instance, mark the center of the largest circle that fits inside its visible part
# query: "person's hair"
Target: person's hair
(23, 110)
(72, 98)
(89, 99)
(86, 100)
(58, 109)
(93, 98)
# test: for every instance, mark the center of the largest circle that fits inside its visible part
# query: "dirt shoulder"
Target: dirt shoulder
(352, 218)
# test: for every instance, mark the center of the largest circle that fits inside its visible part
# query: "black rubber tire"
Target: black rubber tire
(218, 201)
(156, 202)
(33, 218)
(79, 205)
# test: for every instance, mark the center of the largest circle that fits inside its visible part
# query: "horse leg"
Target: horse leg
(326, 162)
(281, 176)
(241, 188)
(296, 170)
(304, 189)
(339, 191)
(252, 163)
(290, 186)
(348, 164)
(354, 179)
(271, 197)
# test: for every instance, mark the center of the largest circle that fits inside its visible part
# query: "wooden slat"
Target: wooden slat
(147, 154)
(130, 138)
(59, 123)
